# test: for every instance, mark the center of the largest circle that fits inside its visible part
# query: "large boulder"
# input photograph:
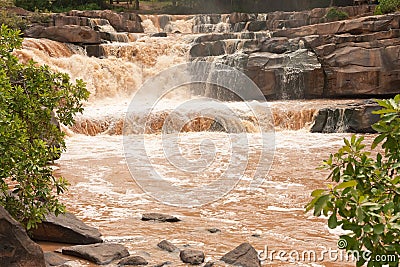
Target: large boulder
(101, 254)
(66, 34)
(16, 248)
(356, 118)
(66, 228)
(244, 255)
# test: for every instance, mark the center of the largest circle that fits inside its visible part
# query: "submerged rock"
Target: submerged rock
(213, 230)
(101, 254)
(159, 217)
(16, 248)
(191, 256)
(167, 246)
(243, 255)
(66, 228)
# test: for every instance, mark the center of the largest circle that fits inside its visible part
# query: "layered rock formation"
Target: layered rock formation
(88, 27)
(351, 58)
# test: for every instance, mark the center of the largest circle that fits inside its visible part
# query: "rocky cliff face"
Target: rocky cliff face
(351, 58)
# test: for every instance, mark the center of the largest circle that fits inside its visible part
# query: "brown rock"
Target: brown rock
(159, 217)
(101, 254)
(66, 34)
(243, 255)
(133, 261)
(16, 248)
(193, 257)
(167, 246)
(66, 228)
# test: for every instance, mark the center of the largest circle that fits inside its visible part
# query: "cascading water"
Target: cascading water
(102, 191)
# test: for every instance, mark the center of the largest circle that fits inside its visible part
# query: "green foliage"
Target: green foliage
(6, 3)
(60, 5)
(366, 199)
(388, 6)
(12, 20)
(335, 14)
(28, 140)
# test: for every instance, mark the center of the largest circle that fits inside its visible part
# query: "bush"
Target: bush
(366, 198)
(335, 14)
(388, 6)
(12, 20)
(28, 140)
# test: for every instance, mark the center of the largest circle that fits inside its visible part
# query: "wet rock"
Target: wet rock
(167, 246)
(159, 34)
(213, 230)
(54, 259)
(207, 49)
(101, 254)
(354, 118)
(243, 255)
(16, 248)
(162, 264)
(159, 217)
(193, 257)
(66, 228)
(122, 22)
(133, 260)
(66, 34)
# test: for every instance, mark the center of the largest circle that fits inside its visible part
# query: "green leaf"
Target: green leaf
(378, 140)
(332, 221)
(317, 192)
(379, 228)
(360, 214)
(347, 184)
(320, 204)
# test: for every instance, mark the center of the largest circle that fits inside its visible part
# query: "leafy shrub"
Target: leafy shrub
(335, 14)
(366, 199)
(12, 20)
(28, 140)
(388, 6)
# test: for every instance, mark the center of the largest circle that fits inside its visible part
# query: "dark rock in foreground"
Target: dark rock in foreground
(194, 257)
(354, 118)
(133, 260)
(53, 259)
(16, 248)
(66, 228)
(159, 217)
(98, 253)
(243, 255)
(167, 246)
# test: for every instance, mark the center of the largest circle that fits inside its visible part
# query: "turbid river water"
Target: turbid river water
(104, 193)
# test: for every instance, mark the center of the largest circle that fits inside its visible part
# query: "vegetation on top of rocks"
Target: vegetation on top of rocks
(335, 14)
(28, 139)
(366, 199)
(387, 6)
(12, 20)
